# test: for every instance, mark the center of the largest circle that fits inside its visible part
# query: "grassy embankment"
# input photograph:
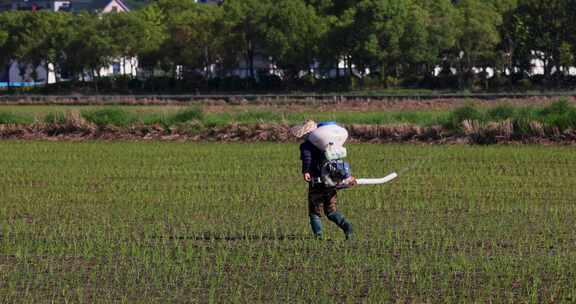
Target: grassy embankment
(485, 124)
(125, 115)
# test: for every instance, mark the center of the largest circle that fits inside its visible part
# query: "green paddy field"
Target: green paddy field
(134, 222)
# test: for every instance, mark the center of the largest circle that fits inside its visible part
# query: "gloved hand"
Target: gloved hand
(347, 183)
(351, 181)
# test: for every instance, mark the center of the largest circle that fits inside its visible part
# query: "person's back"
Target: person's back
(312, 159)
(321, 198)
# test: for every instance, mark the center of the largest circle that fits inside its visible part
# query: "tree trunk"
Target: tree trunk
(251, 61)
(95, 77)
(547, 69)
(8, 74)
(175, 72)
(22, 71)
(57, 76)
(349, 65)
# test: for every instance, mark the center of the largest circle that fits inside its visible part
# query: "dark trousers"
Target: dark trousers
(321, 199)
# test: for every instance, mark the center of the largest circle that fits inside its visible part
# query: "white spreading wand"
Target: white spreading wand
(390, 177)
(377, 181)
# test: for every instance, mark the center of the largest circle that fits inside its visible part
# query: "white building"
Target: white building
(18, 75)
(210, 1)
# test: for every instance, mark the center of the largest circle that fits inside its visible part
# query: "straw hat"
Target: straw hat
(300, 130)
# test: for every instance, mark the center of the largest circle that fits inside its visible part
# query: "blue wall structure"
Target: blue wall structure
(19, 84)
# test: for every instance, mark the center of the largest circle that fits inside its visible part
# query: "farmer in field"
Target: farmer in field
(322, 188)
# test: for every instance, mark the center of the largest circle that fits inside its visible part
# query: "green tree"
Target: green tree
(247, 20)
(476, 46)
(91, 47)
(191, 37)
(57, 40)
(30, 41)
(443, 32)
(322, 7)
(3, 59)
(198, 34)
(502, 61)
(337, 41)
(7, 43)
(340, 7)
(548, 26)
(3, 37)
(293, 36)
(566, 57)
(137, 4)
(19, 41)
(134, 33)
(378, 28)
(415, 43)
(35, 31)
(514, 55)
(51, 34)
(153, 36)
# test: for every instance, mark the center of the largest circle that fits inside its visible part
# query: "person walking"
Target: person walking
(321, 197)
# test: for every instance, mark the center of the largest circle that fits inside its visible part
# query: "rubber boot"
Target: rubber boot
(316, 226)
(339, 220)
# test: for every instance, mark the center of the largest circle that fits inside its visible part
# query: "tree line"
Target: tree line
(456, 44)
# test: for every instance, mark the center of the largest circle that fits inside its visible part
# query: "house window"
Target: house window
(63, 7)
(116, 68)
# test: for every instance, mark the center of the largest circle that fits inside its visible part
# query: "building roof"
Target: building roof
(75, 5)
(95, 5)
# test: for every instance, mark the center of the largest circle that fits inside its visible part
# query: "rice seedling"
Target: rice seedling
(182, 222)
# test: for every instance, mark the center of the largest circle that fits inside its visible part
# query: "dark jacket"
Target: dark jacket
(312, 159)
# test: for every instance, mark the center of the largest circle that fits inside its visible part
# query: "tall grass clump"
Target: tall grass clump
(216, 120)
(258, 117)
(166, 120)
(500, 113)
(110, 116)
(559, 114)
(523, 118)
(55, 118)
(186, 115)
(459, 115)
(156, 118)
(11, 118)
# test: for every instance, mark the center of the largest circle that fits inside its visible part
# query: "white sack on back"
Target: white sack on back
(328, 135)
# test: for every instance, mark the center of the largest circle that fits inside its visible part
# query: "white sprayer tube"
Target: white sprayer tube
(377, 181)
